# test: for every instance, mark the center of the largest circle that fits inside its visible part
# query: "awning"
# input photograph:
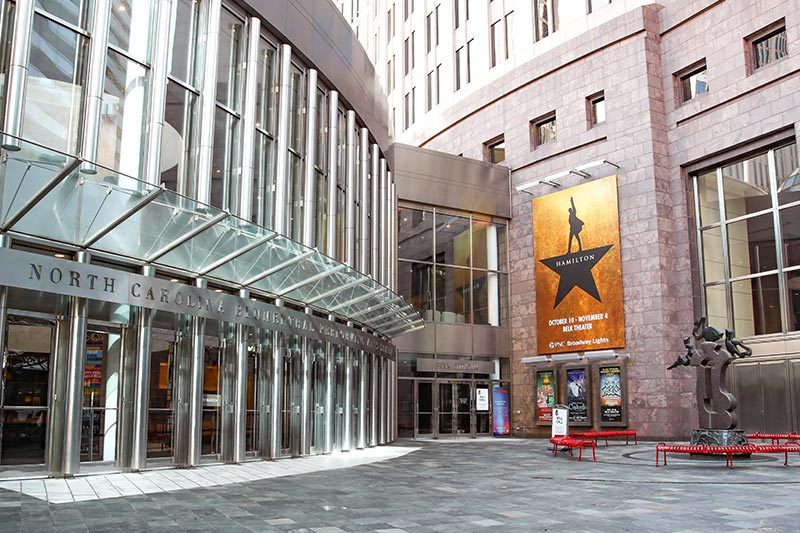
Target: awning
(44, 193)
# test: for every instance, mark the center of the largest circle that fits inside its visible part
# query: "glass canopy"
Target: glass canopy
(51, 195)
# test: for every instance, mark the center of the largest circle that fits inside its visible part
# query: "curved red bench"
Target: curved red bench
(572, 442)
(727, 451)
(776, 438)
(595, 435)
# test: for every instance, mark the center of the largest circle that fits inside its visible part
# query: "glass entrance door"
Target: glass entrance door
(462, 409)
(483, 409)
(456, 407)
(423, 409)
(318, 392)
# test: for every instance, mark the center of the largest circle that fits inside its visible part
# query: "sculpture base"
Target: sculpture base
(719, 437)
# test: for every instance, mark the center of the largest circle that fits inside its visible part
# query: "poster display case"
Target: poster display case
(612, 395)
(545, 393)
(577, 394)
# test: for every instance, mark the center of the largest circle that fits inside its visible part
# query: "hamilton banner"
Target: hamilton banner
(578, 269)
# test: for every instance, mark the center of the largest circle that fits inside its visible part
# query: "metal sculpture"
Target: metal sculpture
(713, 354)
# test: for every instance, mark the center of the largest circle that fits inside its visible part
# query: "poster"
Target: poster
(545, 396)
(481, 399)
(578, 269)
(560, 426)
(93, 366)
(501, 425)
(577, 396)
(611, 394)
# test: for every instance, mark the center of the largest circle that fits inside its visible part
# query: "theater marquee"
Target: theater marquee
(578, 269)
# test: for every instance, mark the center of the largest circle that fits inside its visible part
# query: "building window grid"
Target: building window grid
(543, 130)
(545, 18)
(596, 108)
(693, 82)
(723, 225)
(769, 48)
(502, 269)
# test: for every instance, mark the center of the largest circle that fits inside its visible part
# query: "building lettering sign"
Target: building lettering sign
(50, 274)
(455, 365)
(578, 269)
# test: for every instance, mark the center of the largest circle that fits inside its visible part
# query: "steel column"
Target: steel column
(181, 389)
(196, 386)
(264, 391)
(74, 384)
(383, 274)
(363, 380)
(17, 76)
(375, 205)
(392, 228)
(157, 93)
(208, 105)
(240, 395)
(333, 172)
(350, 204)
(93, 99)
(305, 394)
(330, 390)
(384, 424)
(282, 141)
(249, 119)
(141, 398)
(275, 396)
(347, 432)
(373, 390)
(310, 174)
(364, 195)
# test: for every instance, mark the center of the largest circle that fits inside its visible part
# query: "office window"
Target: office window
(543, 129)
(469, 61)
(769, 45)
(405, 9)
(413, 104)
(389, 77)
(693, 81)
(406, 56)
(438, 82)
(494, 43)
(594, 5)
(509, 34)
(406, 111)
(494, 151)
(428, 32)
(390, 24)
(459, 66)
(546, 17)
(597, 109)
(456, 14)
(429, 91)
(412, 49)
(436, 25)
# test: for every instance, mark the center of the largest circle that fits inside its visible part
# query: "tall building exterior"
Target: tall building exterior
(693, 107)
(196, 235)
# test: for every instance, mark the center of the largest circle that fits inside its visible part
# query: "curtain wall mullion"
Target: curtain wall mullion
(310, 176)
(363, 213)
(208, 104)
(776, 222)
(350, 207)
(282, 142)
(392, 235)
(98, 51)
(249, 120)
(385, 223)
(726, 266)
(333, 171)
(375, 212)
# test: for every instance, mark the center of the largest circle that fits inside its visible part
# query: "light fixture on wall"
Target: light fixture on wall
(586, 171)
(565, 357)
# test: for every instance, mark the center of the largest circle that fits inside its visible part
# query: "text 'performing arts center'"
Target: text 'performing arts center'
(196, 236)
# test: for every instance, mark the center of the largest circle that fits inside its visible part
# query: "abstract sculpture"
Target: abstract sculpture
(716, 406)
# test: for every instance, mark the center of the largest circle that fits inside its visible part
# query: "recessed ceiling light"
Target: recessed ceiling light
(217, 290)
(175, 280)
(62, 256)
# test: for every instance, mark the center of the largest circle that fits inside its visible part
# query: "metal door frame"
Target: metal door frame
(434, 409)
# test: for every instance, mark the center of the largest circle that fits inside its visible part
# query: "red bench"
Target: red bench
(776, 438)
(727, 451)
(572, 442)
(595, 435)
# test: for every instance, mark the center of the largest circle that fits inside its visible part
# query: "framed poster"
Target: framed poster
(612, 394)
(545, 383)
(481, 399)
(578, 398)
(578, 269)
(501, 423)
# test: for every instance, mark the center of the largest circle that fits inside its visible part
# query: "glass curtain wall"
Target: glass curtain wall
(294, 196)
(453, 268)
(178, 140)
(321, 172)
(748, 220)
(264, 147)
(100, 388)
(225, 164)
(341, 185)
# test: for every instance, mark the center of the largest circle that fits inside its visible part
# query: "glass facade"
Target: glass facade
(748, 219)
(453, 268)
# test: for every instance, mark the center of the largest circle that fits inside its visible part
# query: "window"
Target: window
(436, 25)
(469, 61)
(495, 150)
(438, 82)
(412, 49)
(543, 129)
(428, 32)
(429, 91)
(390, 24)
(405, 9)
(406, 111)
(509, 33)
(456, 14)
(597, 109)
(389, 76)
(594, 5)
(459, 67)
(769, 45)
(406, 56)
(750, 266)
(413, 104)
(546, 17)
(692, 81)
(494, 43)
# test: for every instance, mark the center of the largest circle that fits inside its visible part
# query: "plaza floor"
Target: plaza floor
(421, 486)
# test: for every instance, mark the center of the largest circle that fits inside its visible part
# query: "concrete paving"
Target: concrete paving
(448, 485)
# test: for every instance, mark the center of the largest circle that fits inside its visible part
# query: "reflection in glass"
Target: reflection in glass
(793, 288)
(229, 60)
(751, 246)
(790, 229)
(7, 10)
(405, 408)
(787, 170)
(225, 161)
(212, 400)
(264, 178)
(717, 307)
(75, 12)
(452, 295)
(713, 264)
(265, 87)
(160, 421)
(130, 26)
(178, 139)
(488, 245)
(121, 138)
(414, 284)
(415, 234)
(452, 240)
(746, 187)
(54, 92)
(100, 388)
(756, 306)
(296, 109)
(185, 42)
(708, 198)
